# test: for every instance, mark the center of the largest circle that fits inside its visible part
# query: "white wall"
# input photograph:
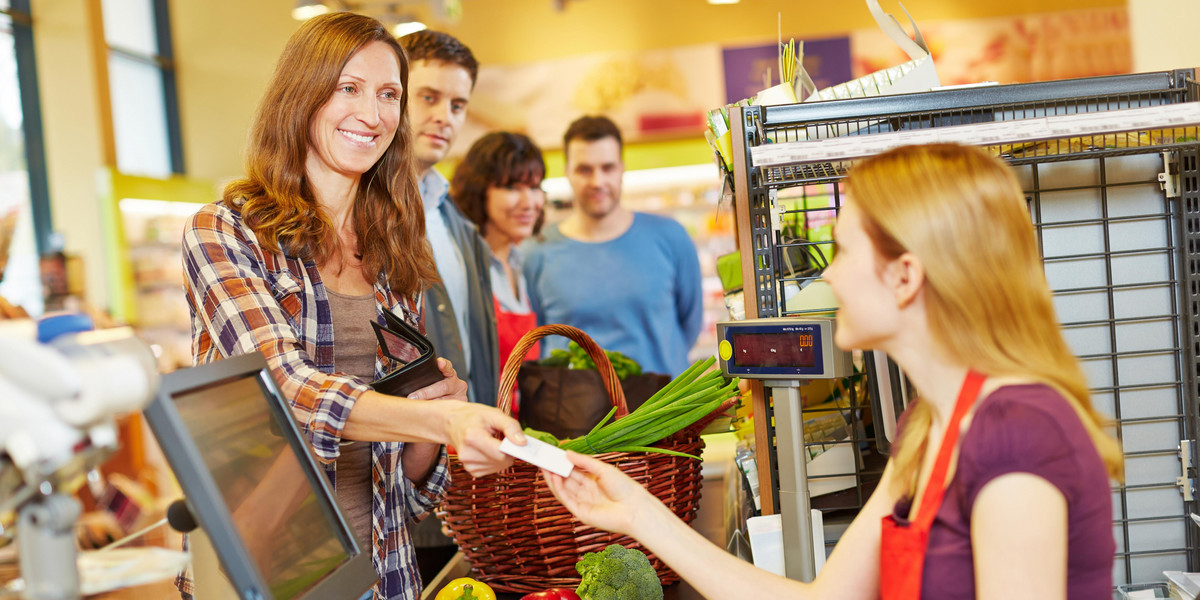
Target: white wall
(225, 51)
(1165, 34)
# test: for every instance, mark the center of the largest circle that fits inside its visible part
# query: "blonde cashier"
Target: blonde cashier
(999, 488)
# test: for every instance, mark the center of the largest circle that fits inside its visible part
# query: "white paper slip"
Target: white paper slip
(539, 454)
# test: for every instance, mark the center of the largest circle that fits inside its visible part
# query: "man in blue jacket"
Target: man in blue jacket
(630, 280)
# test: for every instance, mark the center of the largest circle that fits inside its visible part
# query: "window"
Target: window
(141, 79)
(24, 198)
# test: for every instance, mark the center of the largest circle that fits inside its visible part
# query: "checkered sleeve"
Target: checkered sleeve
(418, 501)
(246, 307)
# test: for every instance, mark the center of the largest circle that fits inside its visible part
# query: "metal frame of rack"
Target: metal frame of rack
(1117, 215)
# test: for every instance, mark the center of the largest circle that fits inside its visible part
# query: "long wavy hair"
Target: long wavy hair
(962, 213)
(276, 198)
(498, 159)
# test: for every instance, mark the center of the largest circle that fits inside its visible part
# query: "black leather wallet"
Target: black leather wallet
(404, 344)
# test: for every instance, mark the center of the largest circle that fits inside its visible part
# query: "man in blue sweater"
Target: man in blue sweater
(630, 280)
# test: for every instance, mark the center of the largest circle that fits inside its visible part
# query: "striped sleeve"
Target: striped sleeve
(246, 308)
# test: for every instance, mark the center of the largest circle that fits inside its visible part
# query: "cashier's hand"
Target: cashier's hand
(600, 495)
(475, 431)
(450, 388)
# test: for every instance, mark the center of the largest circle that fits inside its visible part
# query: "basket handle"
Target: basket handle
(508, 378)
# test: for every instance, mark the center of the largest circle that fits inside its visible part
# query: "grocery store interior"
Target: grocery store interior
(120, 118)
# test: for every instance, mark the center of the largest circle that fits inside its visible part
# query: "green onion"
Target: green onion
(691, 396)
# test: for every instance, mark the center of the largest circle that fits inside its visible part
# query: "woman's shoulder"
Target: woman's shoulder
(215, 213)
(1017, 413)
(217, 223)
(1030, 428)
(1026, 401)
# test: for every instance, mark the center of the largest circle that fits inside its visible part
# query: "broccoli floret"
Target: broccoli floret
(617, 573)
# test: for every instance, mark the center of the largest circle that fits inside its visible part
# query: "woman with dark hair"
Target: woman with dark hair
(999, 486)
(498, 185)
(324, 233)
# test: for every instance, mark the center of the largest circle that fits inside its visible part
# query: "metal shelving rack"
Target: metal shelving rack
(1117, 212)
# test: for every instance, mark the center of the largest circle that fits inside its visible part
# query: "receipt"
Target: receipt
(539, 454)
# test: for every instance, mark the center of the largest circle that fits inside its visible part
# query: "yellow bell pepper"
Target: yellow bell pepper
(465, 588)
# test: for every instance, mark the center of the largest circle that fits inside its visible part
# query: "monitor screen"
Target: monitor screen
(253, 484)
(273, 506)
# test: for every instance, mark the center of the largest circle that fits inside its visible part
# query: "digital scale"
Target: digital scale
(781, 349)
(785, 352)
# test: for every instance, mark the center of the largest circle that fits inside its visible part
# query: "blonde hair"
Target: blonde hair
(961, 211)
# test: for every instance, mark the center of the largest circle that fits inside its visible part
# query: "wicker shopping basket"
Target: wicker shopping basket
(518, 537)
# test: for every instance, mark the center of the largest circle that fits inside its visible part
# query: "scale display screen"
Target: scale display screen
(773, 350)
(780, 348)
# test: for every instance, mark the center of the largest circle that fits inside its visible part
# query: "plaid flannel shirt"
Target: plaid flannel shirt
(245, 299)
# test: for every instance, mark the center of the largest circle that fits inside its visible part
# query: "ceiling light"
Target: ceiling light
(403, 29)
(723, 1)
(307, 9)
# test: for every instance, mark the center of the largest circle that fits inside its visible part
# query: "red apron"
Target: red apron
(902, 547)
(510, 327)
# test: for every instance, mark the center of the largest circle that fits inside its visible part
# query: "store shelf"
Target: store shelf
(144, 220)
(1111, 171)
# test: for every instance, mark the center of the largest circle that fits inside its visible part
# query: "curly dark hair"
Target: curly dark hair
(437, 46)
(499, 159)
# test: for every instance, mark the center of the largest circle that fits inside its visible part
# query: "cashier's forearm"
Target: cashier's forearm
(381, 418)
(710, 570)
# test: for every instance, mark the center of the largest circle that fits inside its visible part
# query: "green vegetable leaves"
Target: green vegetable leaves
(541, 435)
(575, 357)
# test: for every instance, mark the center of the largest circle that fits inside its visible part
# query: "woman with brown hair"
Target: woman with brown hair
(498, 186)
(324, 233)
(999, 487)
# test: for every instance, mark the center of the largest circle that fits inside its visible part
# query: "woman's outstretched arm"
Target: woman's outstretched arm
(602, 496)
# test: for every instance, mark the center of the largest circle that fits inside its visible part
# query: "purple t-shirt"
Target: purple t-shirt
(1024, 429)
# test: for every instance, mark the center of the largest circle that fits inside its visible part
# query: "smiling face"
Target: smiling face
(513, 211)
(358, 122)
(594, 169)
(437, 108)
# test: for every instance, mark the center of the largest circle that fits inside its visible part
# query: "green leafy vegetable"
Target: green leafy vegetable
(695, 394)
(617, 573)
(541, 435)
(575, 357)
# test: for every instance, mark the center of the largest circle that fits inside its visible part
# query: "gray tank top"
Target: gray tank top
(354, 354)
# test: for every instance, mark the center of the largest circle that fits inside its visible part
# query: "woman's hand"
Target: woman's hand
(436, 414)
(601, 495)
(450, 388)
(475, 431)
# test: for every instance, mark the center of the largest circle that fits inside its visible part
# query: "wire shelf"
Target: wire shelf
(1117, 217)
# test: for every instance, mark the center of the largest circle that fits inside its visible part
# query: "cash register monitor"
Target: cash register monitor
(252, 483)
